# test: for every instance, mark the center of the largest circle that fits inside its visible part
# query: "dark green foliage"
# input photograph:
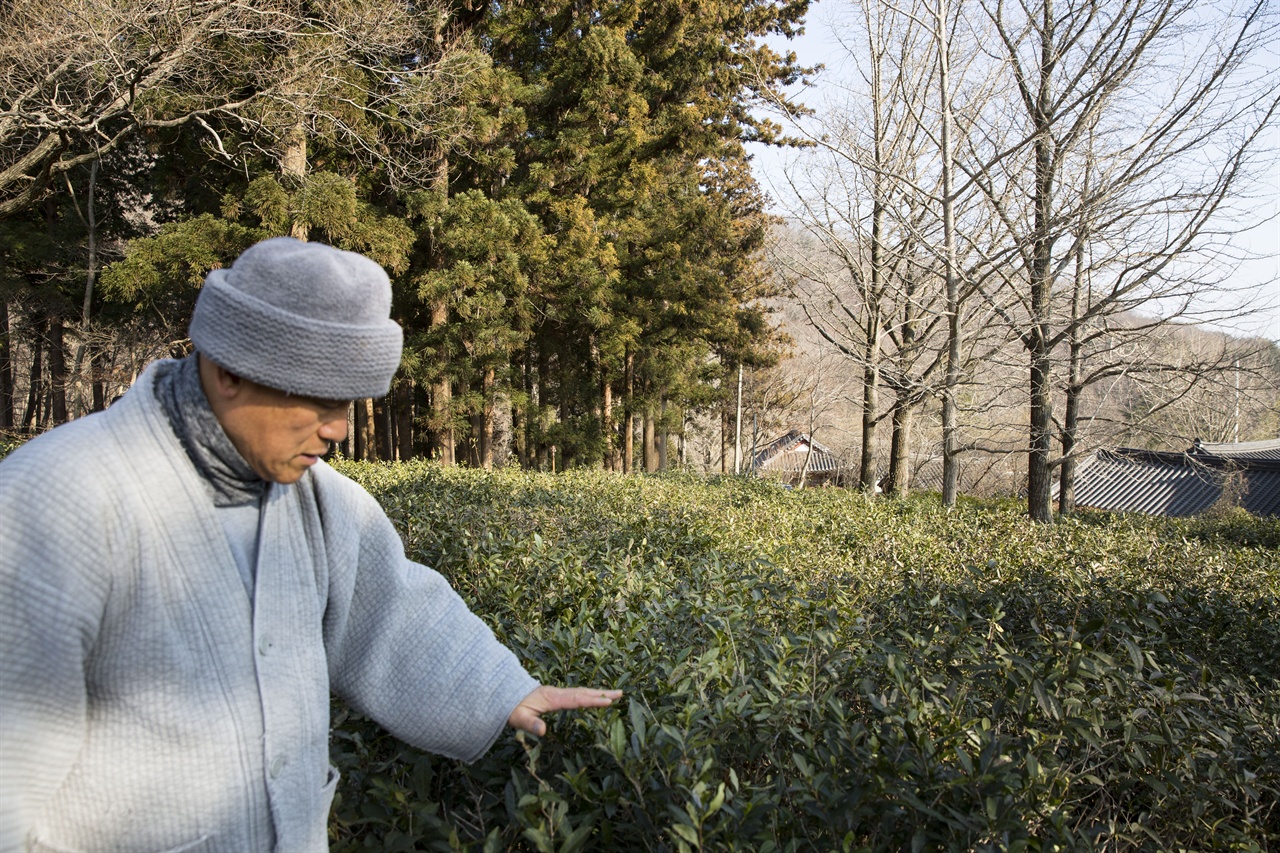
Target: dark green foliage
(163, 274)
(629, 151)
(559, 191)
(819, 671)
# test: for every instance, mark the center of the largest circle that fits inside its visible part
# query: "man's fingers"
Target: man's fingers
(526, 719)
(584, 697)
(527, 715)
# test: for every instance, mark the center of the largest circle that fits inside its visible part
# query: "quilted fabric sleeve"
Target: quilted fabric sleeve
(403, 646)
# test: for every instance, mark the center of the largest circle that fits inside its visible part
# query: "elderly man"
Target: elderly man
(183, 581)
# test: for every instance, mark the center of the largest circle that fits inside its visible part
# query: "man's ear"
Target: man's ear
(219, 383)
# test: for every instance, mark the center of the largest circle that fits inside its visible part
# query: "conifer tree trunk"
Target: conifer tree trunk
(611, 460)
(737, 428)
(629, 415)
(486, 419)
(31, 415)
(543, 453)
(356, 436)
(98, 379)
(724, 442)
(6, 370)
(406, 402)
(520, 419)
(443, 439)
(662, 438)
(57, 372)
(348, 445)
(365, 430)
(650, 445)
(293, 165)
(382, 428)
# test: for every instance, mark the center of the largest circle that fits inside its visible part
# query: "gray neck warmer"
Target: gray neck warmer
(230, 479)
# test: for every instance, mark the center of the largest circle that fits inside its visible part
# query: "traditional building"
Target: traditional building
(786, 458)
(1246, 474)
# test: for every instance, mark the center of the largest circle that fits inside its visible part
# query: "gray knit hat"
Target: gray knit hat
(303, 318)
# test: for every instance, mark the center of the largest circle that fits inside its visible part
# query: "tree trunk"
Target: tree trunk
(1039, 471)
(520, 413)
(442, 438)
(542, 453)
(348, 445)
(737, 428)
(870, 400)
(950, 419)
(662, 438)
(406, 405)
(391, 420)
(471, 445)
(1067, 476)
(83, 349)
(31, 416)
(628, 416)
(612, 459)
(650, 445)
(366, 429)
(486, 419)
(97, 377)
(724, 442)
(1075, 382)
(57, 372)
(6, 370)
(382, 428)
(900, 448)
(293, 165)
(357, 430)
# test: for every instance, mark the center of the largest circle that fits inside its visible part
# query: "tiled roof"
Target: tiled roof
(789, 453)
(1177, 484)
(1251, 450)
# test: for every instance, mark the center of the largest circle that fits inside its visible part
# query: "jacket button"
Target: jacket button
(277, 766)
(263, 645)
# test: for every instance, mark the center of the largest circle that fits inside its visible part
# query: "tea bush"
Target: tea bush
(816, 670)
(8, 444)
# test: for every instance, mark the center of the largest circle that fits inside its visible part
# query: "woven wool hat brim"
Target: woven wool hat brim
(289, 350)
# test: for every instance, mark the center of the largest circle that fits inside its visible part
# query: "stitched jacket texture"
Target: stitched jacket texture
(146, 705)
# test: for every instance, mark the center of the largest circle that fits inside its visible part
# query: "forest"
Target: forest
(560, 192)
(584, 261)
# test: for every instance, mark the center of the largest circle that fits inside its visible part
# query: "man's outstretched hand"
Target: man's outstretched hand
(528, 714)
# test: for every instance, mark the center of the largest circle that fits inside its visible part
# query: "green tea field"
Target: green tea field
(819, 671)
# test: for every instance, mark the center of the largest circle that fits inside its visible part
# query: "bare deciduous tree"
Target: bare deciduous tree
(888, 280)
(850, 197)
(1157, 103)
(78, 77)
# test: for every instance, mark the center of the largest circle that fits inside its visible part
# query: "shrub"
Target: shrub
(816, 670)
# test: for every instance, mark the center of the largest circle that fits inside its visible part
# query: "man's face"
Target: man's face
(281, 435)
